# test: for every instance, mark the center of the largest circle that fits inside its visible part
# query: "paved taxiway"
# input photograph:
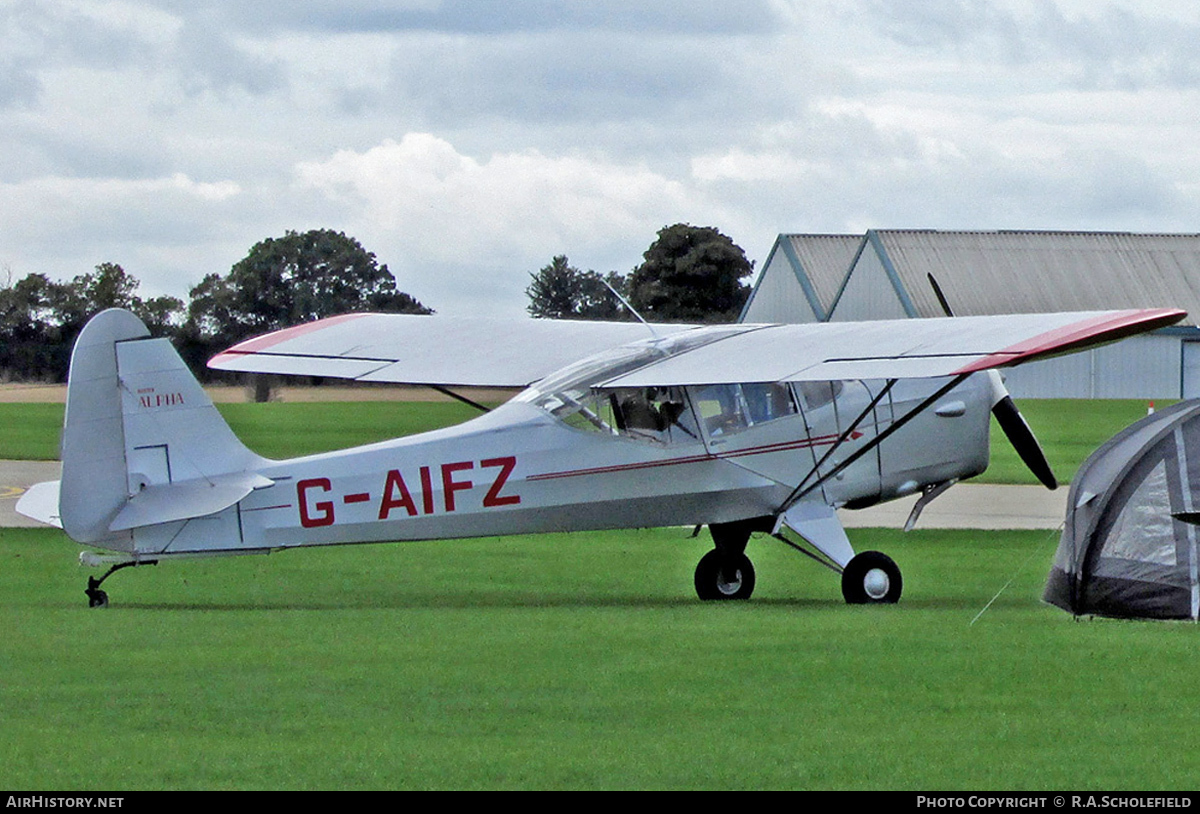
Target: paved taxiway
(967, 505)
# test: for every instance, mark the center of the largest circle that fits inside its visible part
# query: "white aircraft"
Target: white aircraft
(743, 428)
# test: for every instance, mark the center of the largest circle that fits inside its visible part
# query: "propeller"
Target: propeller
(1016, 429)
(1014, 425)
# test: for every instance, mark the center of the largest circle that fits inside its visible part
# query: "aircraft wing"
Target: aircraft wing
(893, 349)
(412, 349)
(418, 349)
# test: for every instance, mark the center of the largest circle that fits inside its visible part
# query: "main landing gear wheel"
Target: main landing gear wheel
(871, 578)
(724, 576)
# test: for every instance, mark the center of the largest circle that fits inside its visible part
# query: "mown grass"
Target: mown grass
(581, 661)
(30, 432)
(1069, 430)
(283, 430)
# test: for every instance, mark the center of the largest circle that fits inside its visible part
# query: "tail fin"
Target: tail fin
(142, 442)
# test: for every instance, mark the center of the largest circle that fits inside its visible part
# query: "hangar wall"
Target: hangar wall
(1141, 367)
(779, 296)
(891, 274)
(871, 292)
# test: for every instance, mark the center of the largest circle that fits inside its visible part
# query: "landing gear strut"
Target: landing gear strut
(98, 598)
(868, 578)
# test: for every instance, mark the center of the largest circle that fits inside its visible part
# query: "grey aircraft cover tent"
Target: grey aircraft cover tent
(1128, 548)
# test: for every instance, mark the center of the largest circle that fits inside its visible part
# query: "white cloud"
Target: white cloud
(436, 207)
(165, 231)
(171, 136)
(76, 199)
(510, 202)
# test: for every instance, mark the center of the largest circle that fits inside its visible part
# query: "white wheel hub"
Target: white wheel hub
(730, 587)
(876, 583)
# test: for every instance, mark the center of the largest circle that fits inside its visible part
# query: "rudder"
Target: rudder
(138, 425)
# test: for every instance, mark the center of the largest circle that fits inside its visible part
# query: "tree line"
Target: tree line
(689, 274)
(282, 282)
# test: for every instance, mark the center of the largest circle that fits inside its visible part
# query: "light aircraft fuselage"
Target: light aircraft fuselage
(742, 428)
(520, 469)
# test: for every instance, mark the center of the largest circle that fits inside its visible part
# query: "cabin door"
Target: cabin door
(830, 409)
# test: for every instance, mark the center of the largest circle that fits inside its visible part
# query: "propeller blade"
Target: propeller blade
(1016, 429)
(1023, 440)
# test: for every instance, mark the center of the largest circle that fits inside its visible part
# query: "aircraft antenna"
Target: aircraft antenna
(632, 310)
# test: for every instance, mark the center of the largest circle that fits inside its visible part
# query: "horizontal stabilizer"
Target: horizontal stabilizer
(181, 500)
(40, 503)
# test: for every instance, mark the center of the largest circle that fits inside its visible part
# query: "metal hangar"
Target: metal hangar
(890, 274)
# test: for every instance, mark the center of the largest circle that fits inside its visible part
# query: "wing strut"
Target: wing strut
(800, 491)
(797, 493)
(447, 392)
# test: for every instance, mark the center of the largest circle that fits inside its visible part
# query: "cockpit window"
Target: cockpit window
(768, 401)
(577, 396)
(570, 391)
(657, 413)
(649, 413)
(721, 408)
(818, 394)
(728, 408)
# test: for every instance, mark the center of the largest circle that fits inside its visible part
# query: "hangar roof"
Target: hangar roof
(1025, 272)
(826, 259)
(817, 262)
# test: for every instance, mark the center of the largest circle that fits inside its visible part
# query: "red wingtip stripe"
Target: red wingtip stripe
(260, 343)
(1078, 335)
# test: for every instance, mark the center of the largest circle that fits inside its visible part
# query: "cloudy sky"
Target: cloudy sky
(467, 142)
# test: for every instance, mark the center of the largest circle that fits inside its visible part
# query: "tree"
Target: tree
(285, 281)
(561, 291)
(163, 315)
(40, 318)
(110, 286)
(290, 280)
(31, 346)
(691, 274)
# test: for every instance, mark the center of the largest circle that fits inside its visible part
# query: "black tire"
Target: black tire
(720, 577)
(872, 578)
(97, 599)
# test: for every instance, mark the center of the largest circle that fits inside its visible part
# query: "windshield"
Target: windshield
(576, 394)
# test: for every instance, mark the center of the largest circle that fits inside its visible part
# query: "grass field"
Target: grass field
(1069, 430)
(581, 661)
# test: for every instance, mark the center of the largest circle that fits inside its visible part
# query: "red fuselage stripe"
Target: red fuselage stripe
(691, 459)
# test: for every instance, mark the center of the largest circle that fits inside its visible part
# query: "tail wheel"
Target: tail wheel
(724, 576)
(871, 578)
